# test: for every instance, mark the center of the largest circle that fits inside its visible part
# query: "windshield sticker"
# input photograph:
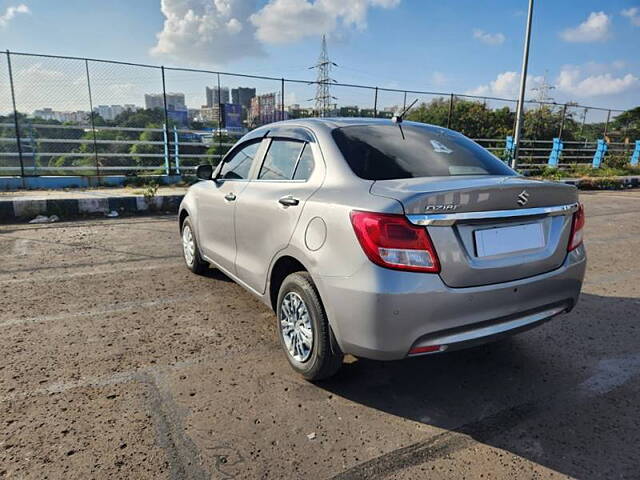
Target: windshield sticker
(439, 147)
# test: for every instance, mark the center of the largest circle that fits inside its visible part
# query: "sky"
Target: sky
(587, 50)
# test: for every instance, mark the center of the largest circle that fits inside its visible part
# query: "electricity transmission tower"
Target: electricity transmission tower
(542, 95)
(323, 96)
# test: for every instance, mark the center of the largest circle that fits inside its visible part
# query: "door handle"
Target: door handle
(289, 201)
(230, 197)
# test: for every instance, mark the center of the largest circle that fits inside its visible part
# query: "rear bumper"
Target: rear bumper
(382, 314)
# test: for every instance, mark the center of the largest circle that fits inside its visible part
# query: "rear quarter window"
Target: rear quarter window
(387, 152)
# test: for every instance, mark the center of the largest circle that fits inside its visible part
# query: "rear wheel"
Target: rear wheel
(303, 329)
(190, 250)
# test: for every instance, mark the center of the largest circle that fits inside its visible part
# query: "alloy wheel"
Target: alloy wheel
(296, 327)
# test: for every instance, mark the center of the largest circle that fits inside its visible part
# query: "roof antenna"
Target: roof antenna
(398, 118)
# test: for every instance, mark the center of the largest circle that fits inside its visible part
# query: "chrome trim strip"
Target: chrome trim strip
(446, 219)
(486, 332)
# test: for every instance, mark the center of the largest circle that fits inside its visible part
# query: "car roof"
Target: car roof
(330, 123)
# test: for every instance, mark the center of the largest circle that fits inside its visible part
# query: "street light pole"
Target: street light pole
(523, 85)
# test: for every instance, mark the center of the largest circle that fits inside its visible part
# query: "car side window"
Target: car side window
(280, 160)
(238, 166)
(305, 164)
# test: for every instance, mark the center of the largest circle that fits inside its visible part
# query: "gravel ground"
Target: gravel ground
(119, 363)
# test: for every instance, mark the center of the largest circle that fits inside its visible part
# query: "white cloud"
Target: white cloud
(207, 31)
(218, 31)
(576, 81)
(506, 85)
(488, 38)
(573, 80)
(10, 13)
(633, 14)
(286, 21)
(439, 79)
(593, 29)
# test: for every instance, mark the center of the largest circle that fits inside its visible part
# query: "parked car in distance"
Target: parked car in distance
(384, 239)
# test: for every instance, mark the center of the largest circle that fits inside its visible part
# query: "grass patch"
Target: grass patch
(585, 171)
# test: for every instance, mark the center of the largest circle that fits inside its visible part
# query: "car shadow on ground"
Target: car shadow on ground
(563, 396)
(215, 274)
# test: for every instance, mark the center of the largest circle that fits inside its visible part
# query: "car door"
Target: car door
(269, 207)
(217, 204)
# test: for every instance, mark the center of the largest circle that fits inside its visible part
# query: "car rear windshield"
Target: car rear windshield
(387, 152)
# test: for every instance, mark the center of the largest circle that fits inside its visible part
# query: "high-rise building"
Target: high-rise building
(116, 110)
(266, 109)
(242, 96)
(153, 100)
(105, 112)
(212, 95)
(175, 101)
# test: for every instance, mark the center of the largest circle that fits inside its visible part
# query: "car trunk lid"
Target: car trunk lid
(488, 229)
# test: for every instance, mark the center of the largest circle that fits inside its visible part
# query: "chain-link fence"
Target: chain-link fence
(80, 116)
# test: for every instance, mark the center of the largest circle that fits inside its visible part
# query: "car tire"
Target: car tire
(323, 358)
(190, 249)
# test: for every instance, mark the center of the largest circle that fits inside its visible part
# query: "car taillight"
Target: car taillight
(391, 241)
(577, 228)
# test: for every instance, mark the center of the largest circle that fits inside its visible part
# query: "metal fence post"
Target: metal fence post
(169, 168)
(282, 98)
(564, 113)
(449, 115)
(219, 118)
(375, 104)
(606, 125)
(91, 114)
(15, 115)
(176, 149)
(165, 135)
(584, 119)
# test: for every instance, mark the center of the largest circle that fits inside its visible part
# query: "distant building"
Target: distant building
(116, 110)
(209, 114)
(265, 109)
(176, 107)
(78, 116)
(110, 112)
(104, 111)
(211, 95)
(175, 101)
(295, 111)
(153, 100)
(242, 96)
(349, 111)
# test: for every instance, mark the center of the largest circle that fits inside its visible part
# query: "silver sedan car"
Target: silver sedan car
(383, 239)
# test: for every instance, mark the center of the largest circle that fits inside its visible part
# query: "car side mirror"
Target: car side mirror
(204, 172)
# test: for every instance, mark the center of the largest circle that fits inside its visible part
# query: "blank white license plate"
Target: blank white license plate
(498, 241)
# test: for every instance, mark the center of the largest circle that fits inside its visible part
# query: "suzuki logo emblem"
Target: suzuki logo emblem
(523, 198)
